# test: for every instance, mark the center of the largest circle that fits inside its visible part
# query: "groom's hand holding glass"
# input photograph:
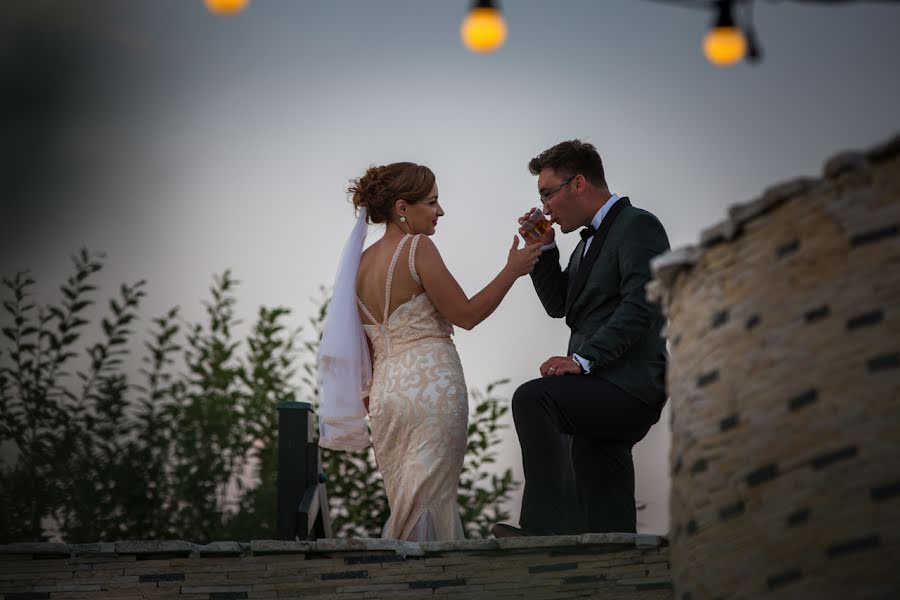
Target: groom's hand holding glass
(535, 228)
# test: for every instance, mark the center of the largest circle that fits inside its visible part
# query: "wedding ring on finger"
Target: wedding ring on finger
(551, 370)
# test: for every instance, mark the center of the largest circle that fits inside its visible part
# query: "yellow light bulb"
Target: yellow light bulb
(483, 30)
(226, 7)
(724, 46)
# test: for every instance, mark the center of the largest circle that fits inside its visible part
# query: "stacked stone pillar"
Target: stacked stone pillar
(784, 331)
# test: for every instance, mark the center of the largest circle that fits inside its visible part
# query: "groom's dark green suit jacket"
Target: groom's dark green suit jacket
(603, 299)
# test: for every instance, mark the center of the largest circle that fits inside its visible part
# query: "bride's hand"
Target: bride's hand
(521, 261)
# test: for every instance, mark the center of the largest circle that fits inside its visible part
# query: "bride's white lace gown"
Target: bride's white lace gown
(418, 406)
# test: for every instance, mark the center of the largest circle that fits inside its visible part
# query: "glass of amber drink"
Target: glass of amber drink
(536, 225)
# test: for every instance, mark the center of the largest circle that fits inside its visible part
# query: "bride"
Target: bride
(414, 391)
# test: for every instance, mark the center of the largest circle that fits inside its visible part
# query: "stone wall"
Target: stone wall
(784, 328)
(610, 566)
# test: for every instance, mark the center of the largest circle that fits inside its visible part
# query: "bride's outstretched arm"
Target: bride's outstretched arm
(449, 298)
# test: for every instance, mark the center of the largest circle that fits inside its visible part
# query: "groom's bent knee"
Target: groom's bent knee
(526, 398)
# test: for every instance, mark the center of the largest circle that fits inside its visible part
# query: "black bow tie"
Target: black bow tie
(587, 232)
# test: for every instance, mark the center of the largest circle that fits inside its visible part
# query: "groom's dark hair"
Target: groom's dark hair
(570, 158)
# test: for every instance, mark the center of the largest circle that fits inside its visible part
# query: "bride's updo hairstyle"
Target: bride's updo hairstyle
(382, 186)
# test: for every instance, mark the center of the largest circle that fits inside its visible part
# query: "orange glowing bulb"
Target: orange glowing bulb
(483, 30)
(724, 46)
(226, 7)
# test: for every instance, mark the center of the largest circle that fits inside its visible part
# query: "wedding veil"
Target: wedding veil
(345, 368)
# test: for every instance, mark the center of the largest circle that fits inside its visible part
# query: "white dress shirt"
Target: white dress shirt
(598, 218)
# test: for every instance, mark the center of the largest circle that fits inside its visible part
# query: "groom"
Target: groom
(578, 422)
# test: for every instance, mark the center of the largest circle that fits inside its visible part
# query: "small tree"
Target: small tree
(99, 457)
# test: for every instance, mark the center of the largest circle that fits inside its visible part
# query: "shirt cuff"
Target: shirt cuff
(549, 246)
(585, 365)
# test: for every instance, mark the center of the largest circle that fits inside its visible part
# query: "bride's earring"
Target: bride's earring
(403, 219)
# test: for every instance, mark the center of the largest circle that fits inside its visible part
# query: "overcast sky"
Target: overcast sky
(186, 144)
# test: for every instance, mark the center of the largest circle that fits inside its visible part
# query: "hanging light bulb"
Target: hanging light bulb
(226, 7)
(483, 29)
(724, 44)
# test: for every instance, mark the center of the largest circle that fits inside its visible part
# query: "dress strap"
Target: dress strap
(412, 259)
(366, 310)
(390, 278)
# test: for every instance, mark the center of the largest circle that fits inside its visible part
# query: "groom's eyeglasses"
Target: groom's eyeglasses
(545, 197)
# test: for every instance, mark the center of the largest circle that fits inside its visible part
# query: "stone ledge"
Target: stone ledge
(740, 214)
(280, 547)
(322, 546)
(666, 267)
(461, 545)
(161, 547)
(369, 544)
(224, 549)
(615, 566)
(99, 549)
(37, 548)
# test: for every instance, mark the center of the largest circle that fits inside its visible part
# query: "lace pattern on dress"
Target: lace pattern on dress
(418, 415)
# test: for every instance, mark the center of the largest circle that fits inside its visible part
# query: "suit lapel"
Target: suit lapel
(584, 267)
(574, 265)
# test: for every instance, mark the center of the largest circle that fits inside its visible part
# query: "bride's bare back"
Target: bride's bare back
(373, 274)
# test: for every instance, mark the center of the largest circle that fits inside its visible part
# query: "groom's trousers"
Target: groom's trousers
(576, 433)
